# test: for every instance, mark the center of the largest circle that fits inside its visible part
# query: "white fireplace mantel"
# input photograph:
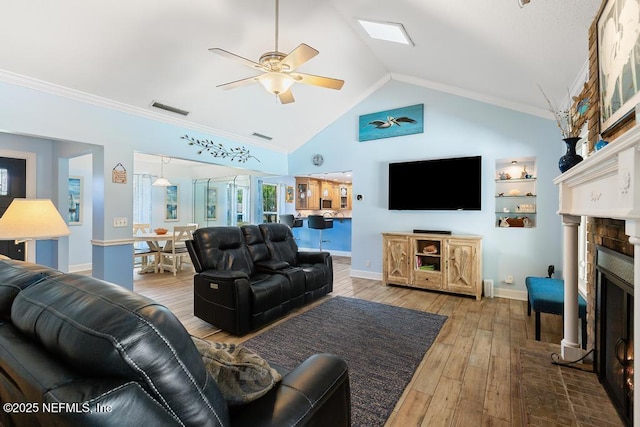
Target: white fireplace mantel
(605, 185)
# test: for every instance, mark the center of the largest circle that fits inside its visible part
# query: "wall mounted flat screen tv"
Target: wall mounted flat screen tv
(437, 184)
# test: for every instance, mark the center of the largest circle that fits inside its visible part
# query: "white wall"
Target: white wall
(453, 126)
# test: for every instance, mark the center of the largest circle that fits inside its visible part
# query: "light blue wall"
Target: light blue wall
(453, 126)
(63, 125)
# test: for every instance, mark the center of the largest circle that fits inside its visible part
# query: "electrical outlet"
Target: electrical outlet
(509, 279)
(119, 222)
(367, 263)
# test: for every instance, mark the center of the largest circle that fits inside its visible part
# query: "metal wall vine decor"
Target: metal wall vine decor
(216, 149)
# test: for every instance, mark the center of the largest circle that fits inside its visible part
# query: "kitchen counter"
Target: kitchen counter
(339, 237)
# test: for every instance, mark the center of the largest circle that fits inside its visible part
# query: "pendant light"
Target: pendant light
(162, 181)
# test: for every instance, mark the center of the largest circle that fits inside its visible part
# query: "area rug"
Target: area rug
(382, 345)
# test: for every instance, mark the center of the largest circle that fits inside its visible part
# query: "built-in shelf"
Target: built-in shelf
(515, 193)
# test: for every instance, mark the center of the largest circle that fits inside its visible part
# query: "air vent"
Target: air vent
(259, 135)
(169, 108)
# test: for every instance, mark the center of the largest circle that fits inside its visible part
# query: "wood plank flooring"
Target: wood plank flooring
(469, 377)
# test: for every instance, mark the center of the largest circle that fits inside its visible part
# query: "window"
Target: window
(241, 205)
(142, 199)
(269, 203)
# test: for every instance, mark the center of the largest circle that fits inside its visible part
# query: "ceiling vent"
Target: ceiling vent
(259, 135)
(169, 108)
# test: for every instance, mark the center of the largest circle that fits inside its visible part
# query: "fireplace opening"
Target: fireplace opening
(613, 360)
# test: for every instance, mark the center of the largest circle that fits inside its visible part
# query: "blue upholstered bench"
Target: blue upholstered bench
(547, 296)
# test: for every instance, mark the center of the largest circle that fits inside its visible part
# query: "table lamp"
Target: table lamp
(32, 219)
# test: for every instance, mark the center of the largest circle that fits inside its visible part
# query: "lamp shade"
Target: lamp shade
(161, 182)
(276, 83)
(32, 219)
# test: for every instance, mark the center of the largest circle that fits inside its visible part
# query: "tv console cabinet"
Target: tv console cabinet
(446, 263)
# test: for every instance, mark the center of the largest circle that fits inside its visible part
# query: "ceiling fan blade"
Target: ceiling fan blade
(310, 79)
(238, 83)
(298, 56)
(286, 97)
(240, 59)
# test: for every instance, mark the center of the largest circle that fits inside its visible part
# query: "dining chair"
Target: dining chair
(143, 251)
(175, 253)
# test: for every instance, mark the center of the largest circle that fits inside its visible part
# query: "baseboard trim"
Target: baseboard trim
(510, 294)
(80, 267)
(497, 292)
(366, 274)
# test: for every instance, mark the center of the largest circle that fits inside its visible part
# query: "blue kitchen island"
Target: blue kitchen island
(336, 240)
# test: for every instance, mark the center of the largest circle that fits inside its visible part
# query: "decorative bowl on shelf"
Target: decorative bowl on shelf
(431, 249)
(160, 230)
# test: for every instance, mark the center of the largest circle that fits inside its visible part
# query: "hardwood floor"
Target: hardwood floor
(469, 377)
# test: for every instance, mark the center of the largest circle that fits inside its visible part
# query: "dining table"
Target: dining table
(156, 243)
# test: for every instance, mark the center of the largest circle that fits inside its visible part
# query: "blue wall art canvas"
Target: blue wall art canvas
(389, 123)
(75, 200)
(171, 203)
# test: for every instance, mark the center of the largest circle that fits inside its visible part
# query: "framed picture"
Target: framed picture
(171, 203)
(618, 60)
(390, 123)
(211, 196)
(289, 195)
(75, 200)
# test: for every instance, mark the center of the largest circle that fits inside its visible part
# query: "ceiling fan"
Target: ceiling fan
(279, 70)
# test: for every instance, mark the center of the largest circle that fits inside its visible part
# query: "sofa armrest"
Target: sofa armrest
(221, 275)
(315, 393)
(272, 265)
(308, 257)
(223, 298)
(195, 261)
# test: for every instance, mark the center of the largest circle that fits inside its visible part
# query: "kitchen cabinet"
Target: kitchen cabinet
(344, 196)
(311, 192)
(307, 193)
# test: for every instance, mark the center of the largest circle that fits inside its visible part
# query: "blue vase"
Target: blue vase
(570, 158)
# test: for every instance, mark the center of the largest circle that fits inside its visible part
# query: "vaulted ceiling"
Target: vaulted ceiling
(135, 52)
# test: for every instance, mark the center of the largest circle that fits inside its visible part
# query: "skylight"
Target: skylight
(389, 31)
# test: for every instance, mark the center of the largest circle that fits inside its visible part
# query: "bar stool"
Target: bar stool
(290, 220)
(318, 222)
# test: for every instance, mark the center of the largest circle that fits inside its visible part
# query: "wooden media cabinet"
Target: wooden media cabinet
(438, 262)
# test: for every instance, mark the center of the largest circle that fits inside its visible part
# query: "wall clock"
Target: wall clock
(318, 160)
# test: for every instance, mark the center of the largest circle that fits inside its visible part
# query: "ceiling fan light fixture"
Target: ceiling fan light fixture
(389, 31)
(276, 83)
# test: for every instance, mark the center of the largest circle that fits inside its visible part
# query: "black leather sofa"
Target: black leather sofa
(77, 351)
(249, 276)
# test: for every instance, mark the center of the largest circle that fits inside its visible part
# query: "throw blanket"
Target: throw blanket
(241, 374)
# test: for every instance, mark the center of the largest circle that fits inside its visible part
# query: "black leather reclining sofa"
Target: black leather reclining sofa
(249, 276)
(77, 351)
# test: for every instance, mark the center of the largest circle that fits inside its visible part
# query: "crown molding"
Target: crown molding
(499, 102)
(76, 95)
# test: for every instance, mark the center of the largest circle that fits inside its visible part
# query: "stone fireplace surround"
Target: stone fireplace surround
(606, 185)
